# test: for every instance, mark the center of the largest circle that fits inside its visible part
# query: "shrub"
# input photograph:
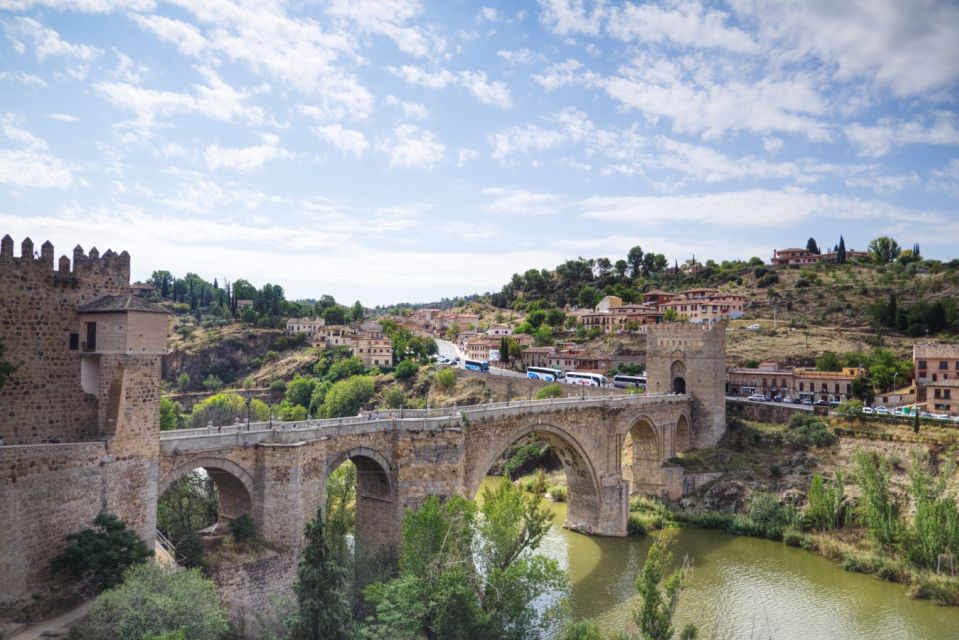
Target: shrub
(169, 414)
(242, 528)
(346, 397)
(394, 398)
(445, 379)
(156, 602)
(768, 517)
(213, 382)
(582, 630)
(189, 551)
(271, 356)
(635, 525)
(792, 538)
(345, 368)
(824, 511)
(183, 381)
(559, 494)
(278, 387)
(226, 408)
(807, 430)
(552, 390)
(877, 507)
(100, 556)
(939, 589)
(405, 370)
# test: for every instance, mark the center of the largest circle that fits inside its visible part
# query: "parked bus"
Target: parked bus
(544, 373)
(476, 365)
(585, 379)
(624, 382)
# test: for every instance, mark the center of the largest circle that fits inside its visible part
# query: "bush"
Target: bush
(445, 379)
(559, 494)
(792, 538)
(169, 414)
(278, 387)
(635, 525)
(405, 370)
(582, 630)
(345, 368)
(226, 408)
(100, 556)
(156, 602)
(271, 356)
(346, 397)
(183, 381)
(213, 382)
(939, 589)
(242, 528)
(807, 430)
(849, 408)
(189, 551)
(767, 517)
(394, 398)
(552, 390)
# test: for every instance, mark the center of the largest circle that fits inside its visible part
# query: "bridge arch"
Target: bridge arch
(643, 452)
(377, 527)
(683, 441)
(584, 501)
(234, 485)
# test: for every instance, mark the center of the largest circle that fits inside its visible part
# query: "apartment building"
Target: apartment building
(334, 335)
(942, 396)
(707, 306)
(373, 348)
(768, 379)
(798, 383)
(934, 362)
(306, 326)
(810, 384)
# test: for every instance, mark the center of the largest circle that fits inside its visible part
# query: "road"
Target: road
(448, 349)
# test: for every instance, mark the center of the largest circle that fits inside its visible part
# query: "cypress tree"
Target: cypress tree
(841, 251)
(812, 247)
(323, 610)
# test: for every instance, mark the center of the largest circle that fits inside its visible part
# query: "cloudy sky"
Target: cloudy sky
(393, 150)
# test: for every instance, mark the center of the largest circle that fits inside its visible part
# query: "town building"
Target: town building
(798, 383)
(768, 379)
(794, 256)
(537, 356)
(612, 316)
(373, 348)
(306, 326)
(942, 396)
(934, 362)
(479, 348)
(499, 330)
(334, 335)
(244, 304)
(706, 306)
(830, 386)
(579, 361)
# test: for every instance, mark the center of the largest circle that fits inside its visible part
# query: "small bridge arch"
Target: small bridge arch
(378, 512)
(234, 485)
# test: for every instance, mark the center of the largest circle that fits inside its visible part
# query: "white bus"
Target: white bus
(544, 373)
(624, 382)
(585, 379)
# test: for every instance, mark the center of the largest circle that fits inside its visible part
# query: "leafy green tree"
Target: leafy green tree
(242, 528)
(100, 556)
(828, 361)
(824, 510)
(555, 317)
(169, 414)
(660, 593)
(162, 281)
(188, 505)
(582, 630)
(877, 507)
(335, 315)
(213, 382)
(346, 397)
(543, 336)
(357, 313)
(935, 523)
(588, 297)
(226, 408)
(405, 370)
(340, 505)
(552, 390)
(183, 381)
(635, 260)
(300, 390)
(157, 602)
(323, 610)
(883, 250)
(445, 379)
(346, 368)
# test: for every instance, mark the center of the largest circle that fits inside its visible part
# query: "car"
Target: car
(882, 411)
(821, 403)
(898, 411)
(925, 414)
(754, 327)
(941, 416)
(806, 401)
(833, 403)
(867, 411)
(756, 397)
(777, 398)
(788, 400)
(442, 360)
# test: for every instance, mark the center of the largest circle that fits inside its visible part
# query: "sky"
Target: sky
(397, 150)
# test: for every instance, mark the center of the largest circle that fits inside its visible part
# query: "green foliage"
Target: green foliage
(543, 336)
(552, 390)
(288, 412)
(935, 524)
(183, 381)
(300, 390)
(828, 361)
(394, 398)
(808, 430)
(323, 612)
(278, 387)
(405, 370)
(226, 408)
(660, 593)
(345, 368)
(877, 508)
(212, 382)
(582, 630)
(346, 397)
(767, 517)
(884, 250)
(100, 556)
(445, 379)
(188, 505)
(154, 602)
(850, 408)
(340, 504)
(169, 414)
(635, 525)
(189, 551)
(558, 494)
(824, 511)
(242, 528)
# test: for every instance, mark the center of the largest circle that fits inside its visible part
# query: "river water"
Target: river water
(744, 588)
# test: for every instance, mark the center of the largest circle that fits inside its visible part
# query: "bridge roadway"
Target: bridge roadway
(277, 472)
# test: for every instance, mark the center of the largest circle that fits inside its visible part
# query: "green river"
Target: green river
(744, 588)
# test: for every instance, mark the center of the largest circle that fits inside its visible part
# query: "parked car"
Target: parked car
(806, 401)
(788, 400)
(898, 411)
(777, 398)
(941, 416)
(757, 397)
(867, 411)
(882, 411)
(754, 327)
(821, 403)
(833, 403)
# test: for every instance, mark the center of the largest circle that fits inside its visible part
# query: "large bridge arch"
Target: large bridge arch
(378, 515)
(584, 499)
(644, 447)
(234, 485)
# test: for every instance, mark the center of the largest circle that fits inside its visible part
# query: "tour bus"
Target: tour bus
(624, 382)
(544, 373)
(585, 379)
(476, 365)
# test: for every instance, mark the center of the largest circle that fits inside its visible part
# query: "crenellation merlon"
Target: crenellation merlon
(110, 264)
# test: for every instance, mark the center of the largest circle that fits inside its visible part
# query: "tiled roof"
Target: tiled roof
(936, 350)
(113, 304)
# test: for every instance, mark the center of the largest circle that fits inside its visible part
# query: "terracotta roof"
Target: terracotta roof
(935, 350)
(113, 304)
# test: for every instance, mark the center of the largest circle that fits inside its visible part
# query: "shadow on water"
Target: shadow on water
(744, 588)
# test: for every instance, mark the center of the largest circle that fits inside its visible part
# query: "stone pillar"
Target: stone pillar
(280, 508)
(613, 507)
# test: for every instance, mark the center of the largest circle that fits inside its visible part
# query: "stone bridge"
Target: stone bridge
(278, 472)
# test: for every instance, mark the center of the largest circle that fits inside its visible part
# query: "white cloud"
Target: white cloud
(25, 79)
(412, 147)
(570, 17)
(527, 139)
(752, 209)
(245, 159)
(187, 38)
(773, 145)
(413, 110)
(566, 74)
(685, 23)
(488, 92)
(487, 14)
(389, 18)
(884, 185)
(946, 179)
(30, 164)
(521, 56)
(438, 79)
(346, 140)
(465, 155)
(48, 42)
(173, 150)
(82, 6)
(879, 140)
(521, 202)
(63, 117)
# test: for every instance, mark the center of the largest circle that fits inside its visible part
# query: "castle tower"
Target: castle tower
(690, 358)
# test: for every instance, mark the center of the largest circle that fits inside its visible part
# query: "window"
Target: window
(943, 365)
(922, 364)
(947, 394)
(74, 341)
(938, 394)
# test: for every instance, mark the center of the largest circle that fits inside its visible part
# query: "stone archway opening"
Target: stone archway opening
(581, 494)
(642, 459)
(683, 442)
(677, 376)
(202, 498)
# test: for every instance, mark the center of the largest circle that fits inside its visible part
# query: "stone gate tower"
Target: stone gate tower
(690, 358)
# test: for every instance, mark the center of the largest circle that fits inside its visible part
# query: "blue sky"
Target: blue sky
(395, 150)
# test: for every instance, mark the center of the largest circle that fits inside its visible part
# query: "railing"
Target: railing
(167, 546)
(378, 419)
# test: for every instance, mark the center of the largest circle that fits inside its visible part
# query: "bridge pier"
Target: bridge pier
(286, 496)
(613, 507)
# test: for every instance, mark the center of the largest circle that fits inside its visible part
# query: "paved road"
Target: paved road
(449, 350)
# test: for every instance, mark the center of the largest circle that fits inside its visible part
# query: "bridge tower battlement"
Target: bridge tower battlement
(690, 358)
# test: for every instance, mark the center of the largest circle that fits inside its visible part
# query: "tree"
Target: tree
(183, 381)
(156, 602)
(340, 509)
(300, 390)
(169, 414)
(405, 369)
(588, 297)
(335, 315)
(345, 368)
(635, 260)
(828, 361)
(824, 510)
(877, 507)
(883, 250)
(346, 397)
(100, 556)
(841, 251)
(812, 247)
(188, 505)
(660, 593)
(213, 382)
(357, 312)
(445, 379)
(323, 612)
(162, 281)
(6, 368)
